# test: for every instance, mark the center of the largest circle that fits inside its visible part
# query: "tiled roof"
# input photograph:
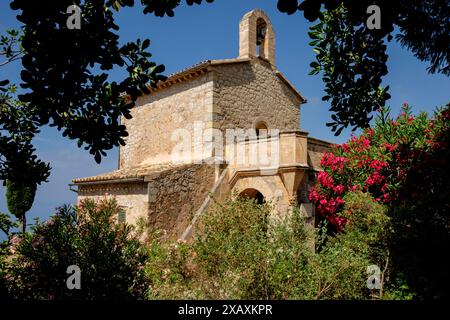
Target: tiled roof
(198, 65)
(127, 173)
(201, 67)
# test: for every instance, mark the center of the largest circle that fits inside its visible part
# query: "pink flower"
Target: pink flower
(389, 147)
(339, 189)
(377, 164)
(366, 143)
(387, 198)
(374, 178)
(313, 195)
(325, 180)
(331, 161)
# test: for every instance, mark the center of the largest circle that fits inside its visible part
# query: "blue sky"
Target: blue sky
(211, 32)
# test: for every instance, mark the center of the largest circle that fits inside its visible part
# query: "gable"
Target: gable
(251, 91)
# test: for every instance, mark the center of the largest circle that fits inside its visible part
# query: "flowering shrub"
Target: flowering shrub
(388, 161)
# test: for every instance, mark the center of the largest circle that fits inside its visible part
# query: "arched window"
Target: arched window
(261, 128)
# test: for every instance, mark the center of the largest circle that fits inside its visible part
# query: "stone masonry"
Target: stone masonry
(207, 100)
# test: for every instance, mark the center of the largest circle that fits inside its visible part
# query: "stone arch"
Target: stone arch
(256, 32)
(254, 194)
(261, 127)
(261, 31)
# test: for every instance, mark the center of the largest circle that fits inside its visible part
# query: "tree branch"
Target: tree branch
(12, 59)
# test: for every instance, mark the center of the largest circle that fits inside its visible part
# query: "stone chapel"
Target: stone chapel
(246, 95)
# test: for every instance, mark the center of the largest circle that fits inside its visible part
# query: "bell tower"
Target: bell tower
(256, 37)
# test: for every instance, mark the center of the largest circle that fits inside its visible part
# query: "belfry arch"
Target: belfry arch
(257, 37)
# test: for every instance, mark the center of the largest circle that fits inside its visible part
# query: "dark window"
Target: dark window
(122, 217)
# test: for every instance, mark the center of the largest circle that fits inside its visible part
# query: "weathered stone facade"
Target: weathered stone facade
(208, 100)
(247, 92)
(176, 194)
(158, 115)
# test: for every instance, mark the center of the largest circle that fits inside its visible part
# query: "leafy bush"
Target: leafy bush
(239, 253)
(108, 254)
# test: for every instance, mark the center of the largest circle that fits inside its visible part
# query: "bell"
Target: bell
(260, 35)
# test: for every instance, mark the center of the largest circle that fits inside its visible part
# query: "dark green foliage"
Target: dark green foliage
(108, 254)
(424, 25)
(237, 254)
(5, 223)
(20, 169)
(422, 219)
(65, 71)
(353, 58)
(403, 162)
(19, 198)
(353, 61)
(10, 50)
(425, 30)
(165, 7)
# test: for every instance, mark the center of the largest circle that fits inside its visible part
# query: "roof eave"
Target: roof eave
(291, 86)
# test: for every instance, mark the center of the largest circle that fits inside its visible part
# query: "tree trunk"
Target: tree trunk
(23, 223)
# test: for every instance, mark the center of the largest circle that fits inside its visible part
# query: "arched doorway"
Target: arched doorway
(253, 194)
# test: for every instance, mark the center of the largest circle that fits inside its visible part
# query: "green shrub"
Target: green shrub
(108, 254)
(240, 253)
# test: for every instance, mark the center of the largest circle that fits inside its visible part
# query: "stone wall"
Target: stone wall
(175, 195)
(251, 91)
(158, 115)
(169, 198)
(316, 149)
(132, 196)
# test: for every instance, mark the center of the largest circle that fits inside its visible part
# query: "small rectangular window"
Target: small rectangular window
(122, 216)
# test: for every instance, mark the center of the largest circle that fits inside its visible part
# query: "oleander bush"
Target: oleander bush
(109, 255)
(402, 163)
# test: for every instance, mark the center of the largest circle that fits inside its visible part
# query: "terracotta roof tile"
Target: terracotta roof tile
(127, 173)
